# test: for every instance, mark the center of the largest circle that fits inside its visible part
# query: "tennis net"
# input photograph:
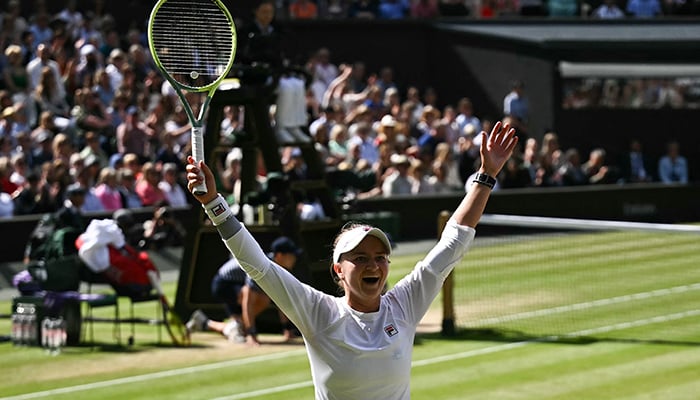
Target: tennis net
(534, 278)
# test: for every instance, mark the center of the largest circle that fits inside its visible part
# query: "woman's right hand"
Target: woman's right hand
(196, 174)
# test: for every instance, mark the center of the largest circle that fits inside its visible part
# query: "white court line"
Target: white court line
(156, 375)
(263, 392)
(588, 304)
(434, 360)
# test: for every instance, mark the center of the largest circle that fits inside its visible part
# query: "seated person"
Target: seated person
(252, 301)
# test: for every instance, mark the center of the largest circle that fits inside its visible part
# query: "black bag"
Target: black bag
(57, 274)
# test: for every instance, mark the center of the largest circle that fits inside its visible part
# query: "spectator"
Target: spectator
(429, 141)
(465, 116)
(35, 69)
(117, 60)
(163, 229)
(107, 190)
(133, 162)
(337, 145)
(393, 9)
(608, 10)
(126, 185)
(425, 9)
(361, 135)
(49, 95)
(634, 167)
(514, 174)
(644, 8)
(43, 133)
(673, 167)
(399, 182)
(171, 187)
(231, 176)
(28, 198)
(596, 169)
(6, 185)
(386, 77)
(571, 172)
(93, 148)
(178, 127)
(91, 115)
(303, 9)
(14, 73)
(102, 85)
(516, 105)
(134, 136)
(62, 148)
(332, 9)
(85, 180)
(40, 29)
(147, 186)
(323, 72)
(90, 62)
(563, 8)
(19, 169)
(19, 23)
(363, 9)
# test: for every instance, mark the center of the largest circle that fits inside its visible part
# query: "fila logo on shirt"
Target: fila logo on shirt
(390, 330)
(218, 209)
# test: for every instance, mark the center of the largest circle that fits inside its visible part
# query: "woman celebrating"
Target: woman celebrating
(360, 345)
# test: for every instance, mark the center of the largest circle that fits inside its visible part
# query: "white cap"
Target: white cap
(350, 239)
(234, 155)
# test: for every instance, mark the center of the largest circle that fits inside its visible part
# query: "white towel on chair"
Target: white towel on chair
(96, 239)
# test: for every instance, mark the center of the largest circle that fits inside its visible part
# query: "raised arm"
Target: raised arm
(495, 150)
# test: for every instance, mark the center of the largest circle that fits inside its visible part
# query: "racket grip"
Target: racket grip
(198, 154)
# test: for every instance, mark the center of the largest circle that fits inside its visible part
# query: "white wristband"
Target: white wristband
(218, 210)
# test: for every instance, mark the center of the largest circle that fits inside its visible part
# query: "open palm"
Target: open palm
(497, 148)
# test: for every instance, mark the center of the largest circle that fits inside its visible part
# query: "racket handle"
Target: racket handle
(198, 154)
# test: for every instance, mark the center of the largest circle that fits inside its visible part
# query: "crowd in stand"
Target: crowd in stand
(83, 107)
(484, 9)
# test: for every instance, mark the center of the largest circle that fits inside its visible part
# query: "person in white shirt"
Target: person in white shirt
(174, 193)
(360, 345)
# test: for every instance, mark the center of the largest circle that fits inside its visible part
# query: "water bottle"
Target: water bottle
(45, 327)
(23, 330)
(16, 329)
(57, 335)
(32, 325)
(248, 214)
(62, 334)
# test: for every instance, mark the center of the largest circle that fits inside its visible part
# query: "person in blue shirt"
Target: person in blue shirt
(673, 167)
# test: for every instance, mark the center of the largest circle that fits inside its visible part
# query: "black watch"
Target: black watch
(485, 179)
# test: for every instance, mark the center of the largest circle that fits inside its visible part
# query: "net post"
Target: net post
(448, 320)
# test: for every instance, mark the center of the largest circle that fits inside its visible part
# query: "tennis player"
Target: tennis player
(360, 345)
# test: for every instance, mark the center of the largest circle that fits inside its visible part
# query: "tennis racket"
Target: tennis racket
(173, 324)
(193, 43)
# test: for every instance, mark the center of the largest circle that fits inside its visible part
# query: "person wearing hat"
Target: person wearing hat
(399, 181)
(360, 345)
(244, 300)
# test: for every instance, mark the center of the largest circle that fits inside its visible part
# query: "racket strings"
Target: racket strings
(193, 41)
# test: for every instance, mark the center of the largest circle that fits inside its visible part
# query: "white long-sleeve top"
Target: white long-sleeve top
(353, 355)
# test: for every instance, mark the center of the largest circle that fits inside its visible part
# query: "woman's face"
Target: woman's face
(363, 272)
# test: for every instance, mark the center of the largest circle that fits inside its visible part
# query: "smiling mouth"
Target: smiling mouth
(370, 280)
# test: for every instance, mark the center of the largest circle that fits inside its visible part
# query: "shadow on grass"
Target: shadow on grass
(114, 347)
(513, 336)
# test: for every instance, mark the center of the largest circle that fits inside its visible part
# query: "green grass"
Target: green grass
(504, 359)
